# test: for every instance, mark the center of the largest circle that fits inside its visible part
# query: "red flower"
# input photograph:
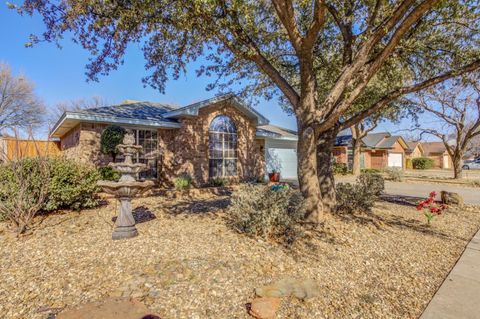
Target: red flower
(433, 194)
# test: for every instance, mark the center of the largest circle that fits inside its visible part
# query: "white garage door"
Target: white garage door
(395, 160)
(281, 156)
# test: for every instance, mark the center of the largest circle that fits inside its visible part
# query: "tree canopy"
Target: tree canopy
(268, 42)
(20, 107)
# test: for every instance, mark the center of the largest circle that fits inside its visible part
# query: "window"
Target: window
(222, 147)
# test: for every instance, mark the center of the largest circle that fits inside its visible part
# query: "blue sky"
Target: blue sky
(59, 74)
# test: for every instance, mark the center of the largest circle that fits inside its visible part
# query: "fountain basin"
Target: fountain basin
(126, 188)
(128, 168)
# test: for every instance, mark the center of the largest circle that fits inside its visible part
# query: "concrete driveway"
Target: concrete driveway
(471, 195)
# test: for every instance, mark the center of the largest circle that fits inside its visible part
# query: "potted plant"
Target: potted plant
(274, 176)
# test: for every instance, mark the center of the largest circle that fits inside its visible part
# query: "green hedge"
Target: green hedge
(107, 173)
(340, 169)
(422, 163)
(71, 185)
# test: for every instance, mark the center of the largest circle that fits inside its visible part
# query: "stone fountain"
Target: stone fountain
(126, 188)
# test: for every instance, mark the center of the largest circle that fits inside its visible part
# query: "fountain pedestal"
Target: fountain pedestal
(126, 188)
(125, 223)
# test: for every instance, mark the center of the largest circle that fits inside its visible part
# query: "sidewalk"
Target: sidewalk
(459, 295)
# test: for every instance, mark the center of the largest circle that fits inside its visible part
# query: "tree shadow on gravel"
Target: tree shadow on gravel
(199, 206)
(409, 201)
(141, 214)
(394, 221)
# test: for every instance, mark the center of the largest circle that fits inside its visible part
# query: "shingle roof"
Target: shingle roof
(371, 140)
(411, 145)
(388, 142)
(276, 132)
(433, 147)
(139, 110)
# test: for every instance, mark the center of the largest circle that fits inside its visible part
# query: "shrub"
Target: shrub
(45, 184)
(107, 173)
(183, 182)
(374, 182)
(340, 168)
(258, 210)
(354, 198)
(394, 174)
(422, 163)
(23, 191)
(112, 135)
(72, 185)
(361, 196)
(219, 182)
(370, 170)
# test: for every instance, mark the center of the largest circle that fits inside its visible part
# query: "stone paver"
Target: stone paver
(459, 295)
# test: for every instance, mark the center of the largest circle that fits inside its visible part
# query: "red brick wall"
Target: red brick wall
(186, 148)
(340, 154)
(378, 159)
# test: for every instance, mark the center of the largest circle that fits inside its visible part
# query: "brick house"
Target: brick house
(219, 137)
(378, 150)
(415, 149)
(438, 153)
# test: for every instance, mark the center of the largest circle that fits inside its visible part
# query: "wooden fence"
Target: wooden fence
(11, 148)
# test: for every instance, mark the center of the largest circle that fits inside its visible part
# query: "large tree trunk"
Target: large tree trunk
(307, 174)
(457, 166)
(356, 169)
(325, 144)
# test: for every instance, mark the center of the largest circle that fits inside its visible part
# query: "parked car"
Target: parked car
(473, 164)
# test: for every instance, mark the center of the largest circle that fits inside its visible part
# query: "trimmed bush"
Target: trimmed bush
(111, 136)
(31, 185)
(23, 191)
(107, 173)
(373, 182)
(422, 163)
(183, 182)
(71, 184)
(361, 196)
(394, 174)
(340, 169)
(260, 211)
(219, 182)
(354, 198)
(370, 171)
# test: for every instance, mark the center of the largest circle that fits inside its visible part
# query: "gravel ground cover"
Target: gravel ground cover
(187, 263)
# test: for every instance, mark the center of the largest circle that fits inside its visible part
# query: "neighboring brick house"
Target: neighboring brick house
(414, 150)
(219, 137)
(378, 150)
(438, 153)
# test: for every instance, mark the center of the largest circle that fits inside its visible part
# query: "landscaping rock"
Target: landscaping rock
(112, 308)
(264, 307)
(450, 198)
(364, 271)
(301, 289)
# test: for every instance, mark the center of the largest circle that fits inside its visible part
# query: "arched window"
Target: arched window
(222, 147)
